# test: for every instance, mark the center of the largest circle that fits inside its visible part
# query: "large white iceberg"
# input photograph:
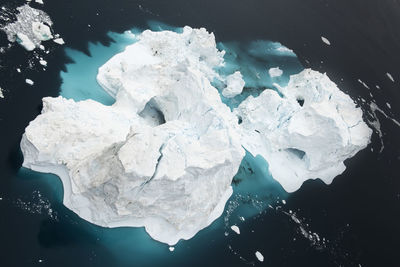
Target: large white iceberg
(164, 154)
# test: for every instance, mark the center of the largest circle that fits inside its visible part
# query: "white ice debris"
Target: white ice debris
(234, 85)
(1, 93)
(163, 156)
(31, 27)
(39, 2)
(390, 76)
(325, 40)
(29, 81)
(171, 249)
(259, 256)
(59, 41)
(363, 83)
(18, 70)
(275, 72)
(314, 126)
(235, 229)
(43, 62)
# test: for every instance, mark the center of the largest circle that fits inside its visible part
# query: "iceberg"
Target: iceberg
(31, 27)
(310, 130)
(164, 154)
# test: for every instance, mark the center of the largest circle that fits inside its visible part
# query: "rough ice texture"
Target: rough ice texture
(32, 26)
(234, 85)
(275, 72)
(305, 134)
(164, 154)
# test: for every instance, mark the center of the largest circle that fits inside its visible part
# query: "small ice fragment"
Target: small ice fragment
(241, 218)
(39, 1)
(40, 260)
(325, 40)
(235, 229)
(18, 70)
(275, 72)
(363, 83)
(1, 198)
(29, 81)
(43, 62)
(41, 47)
(388, 105)
(390, 76)
(377, 87)
(171, 249)
(59, 41)
(1, 96)
(234, 85)
(259, 256)
(283, 202)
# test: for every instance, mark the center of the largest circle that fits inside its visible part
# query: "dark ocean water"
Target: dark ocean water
(354, 221)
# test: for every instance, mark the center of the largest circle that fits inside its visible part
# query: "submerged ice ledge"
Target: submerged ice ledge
(164, 154)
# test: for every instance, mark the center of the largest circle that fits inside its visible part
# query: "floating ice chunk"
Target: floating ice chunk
(388, 105)
(43, 62)
(363, 83)
(23, 40)
(325, 40)
(39, 2)
(31, 27)
(165, 108)
(390, 76)
(275, 72)
(298, 127)
(59, 41)
(235, 84)
(235, 229)
(259, 256)
(1, 93)
(29, 81)
(283, 202)
(18, 70)
(171, 249)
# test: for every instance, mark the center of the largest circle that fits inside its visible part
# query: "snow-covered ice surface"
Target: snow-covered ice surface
(314, 126)
(31, 27)
(163, 155)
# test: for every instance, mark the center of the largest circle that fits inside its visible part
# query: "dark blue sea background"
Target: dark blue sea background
(355, 221)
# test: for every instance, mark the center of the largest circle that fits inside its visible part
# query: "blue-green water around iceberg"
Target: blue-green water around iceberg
(254, 188)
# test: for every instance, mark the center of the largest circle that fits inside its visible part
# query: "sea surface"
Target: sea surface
(355, 221)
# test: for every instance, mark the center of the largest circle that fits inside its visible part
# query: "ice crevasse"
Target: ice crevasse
(164, 154)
